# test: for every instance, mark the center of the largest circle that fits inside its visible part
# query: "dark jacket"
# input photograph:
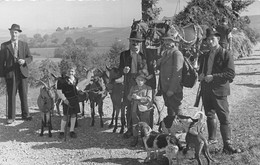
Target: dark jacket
(223, 72)
(126, 60)
(9, 63)
(171, 71)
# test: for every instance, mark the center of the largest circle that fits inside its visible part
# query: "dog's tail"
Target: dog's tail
(202, 116)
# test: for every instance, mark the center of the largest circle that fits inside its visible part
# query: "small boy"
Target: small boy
(69, 96)
(141, 97)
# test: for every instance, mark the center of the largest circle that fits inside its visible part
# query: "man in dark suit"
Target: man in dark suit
(216, 72)
(131, 62)
(16, 56)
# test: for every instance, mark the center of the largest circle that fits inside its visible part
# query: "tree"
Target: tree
(23, 37)
(80, 41)
(215, 10)
(58, 29)
(68, 42)
(38, 38)
(149, 10)
(76, 54)
(114, 53)
(46, 37)
(55, 40)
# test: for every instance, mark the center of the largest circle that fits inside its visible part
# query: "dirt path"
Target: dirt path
(20, 143)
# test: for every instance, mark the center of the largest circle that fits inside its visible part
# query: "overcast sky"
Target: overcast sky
(50, 14)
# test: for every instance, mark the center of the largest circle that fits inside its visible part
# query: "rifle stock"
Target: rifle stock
(198, 96)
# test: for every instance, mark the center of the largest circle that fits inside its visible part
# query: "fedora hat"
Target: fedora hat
(136, 36)
(141, 76)
(15, 27)
(212, 32)
(170, 35)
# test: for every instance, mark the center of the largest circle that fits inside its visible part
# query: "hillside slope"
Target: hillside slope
(104, 36)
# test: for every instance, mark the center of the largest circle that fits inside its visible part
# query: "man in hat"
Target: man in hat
(215, 73)
(225, 34)
(170, 66)
(131, 62)
(16, 57)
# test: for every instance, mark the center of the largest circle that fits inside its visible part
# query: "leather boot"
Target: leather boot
(212, 130)
(226, 136)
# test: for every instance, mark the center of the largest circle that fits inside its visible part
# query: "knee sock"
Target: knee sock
(62, 125)
(72, 123)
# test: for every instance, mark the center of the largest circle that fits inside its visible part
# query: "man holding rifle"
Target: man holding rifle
(216, 72)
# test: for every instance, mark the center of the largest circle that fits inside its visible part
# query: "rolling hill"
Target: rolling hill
(104, 36)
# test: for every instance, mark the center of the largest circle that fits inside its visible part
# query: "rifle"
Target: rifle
(198, 96)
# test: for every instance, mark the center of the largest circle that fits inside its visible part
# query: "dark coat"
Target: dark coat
(126, 60)
(171, 71)
(9, 61)
(223, 72)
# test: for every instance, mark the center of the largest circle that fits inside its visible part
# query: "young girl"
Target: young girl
(141, 97)
(67, 88)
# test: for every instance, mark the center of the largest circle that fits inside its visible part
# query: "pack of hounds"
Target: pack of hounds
(168, 141)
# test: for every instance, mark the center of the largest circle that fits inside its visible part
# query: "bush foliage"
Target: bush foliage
(211, 12)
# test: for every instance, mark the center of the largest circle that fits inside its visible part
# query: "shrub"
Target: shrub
(241, 45)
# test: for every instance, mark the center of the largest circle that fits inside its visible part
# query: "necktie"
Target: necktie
(15, 49)
(134, 63)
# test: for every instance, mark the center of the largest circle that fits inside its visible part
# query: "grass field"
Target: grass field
(43, 52)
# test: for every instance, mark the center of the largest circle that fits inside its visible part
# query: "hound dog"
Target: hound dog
(194, 129)
(197, 140)
(156, 142)
(176, 124)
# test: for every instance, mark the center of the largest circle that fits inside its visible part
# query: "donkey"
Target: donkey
(45, 103)
(115, 88)
(96, 90)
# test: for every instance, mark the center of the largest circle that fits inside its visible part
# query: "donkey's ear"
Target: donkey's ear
(54, 76)
(108, 68)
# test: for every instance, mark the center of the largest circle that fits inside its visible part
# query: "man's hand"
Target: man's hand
(126, 69)
(208, 78)
(66, 102)
(201, 77)
(21, 61)
(169, 93)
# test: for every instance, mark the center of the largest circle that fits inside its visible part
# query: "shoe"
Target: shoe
(134, 142)
(210, 142)
(228, 149)
(27, 118)
(127, 135)
(10, 121)
(73, 135)
(61, 135)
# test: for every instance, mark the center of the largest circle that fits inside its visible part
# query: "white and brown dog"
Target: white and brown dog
(176, 124)
(156, 142)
